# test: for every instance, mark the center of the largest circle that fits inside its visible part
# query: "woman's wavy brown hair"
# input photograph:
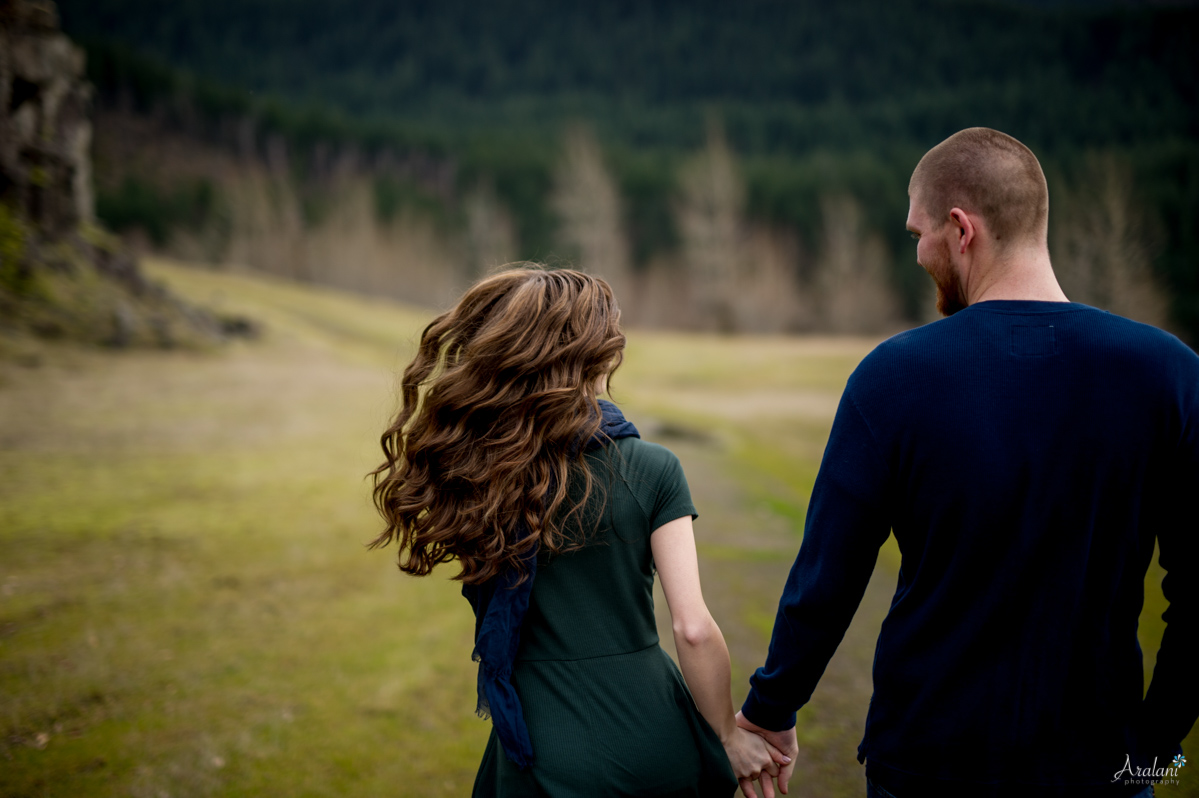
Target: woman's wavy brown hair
(495, 410)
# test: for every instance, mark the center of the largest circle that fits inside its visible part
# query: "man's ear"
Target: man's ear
(965, 227)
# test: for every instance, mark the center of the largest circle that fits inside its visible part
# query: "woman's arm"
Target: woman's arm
(704, 657)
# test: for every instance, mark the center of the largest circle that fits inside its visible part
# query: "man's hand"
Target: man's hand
(753, 759)
(784, 741)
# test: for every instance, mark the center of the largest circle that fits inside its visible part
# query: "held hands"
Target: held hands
(782, 746)
(754, 759)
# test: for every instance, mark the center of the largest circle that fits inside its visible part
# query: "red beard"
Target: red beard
(949, 286)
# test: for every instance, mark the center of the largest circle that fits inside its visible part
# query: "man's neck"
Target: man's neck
(1024, 275)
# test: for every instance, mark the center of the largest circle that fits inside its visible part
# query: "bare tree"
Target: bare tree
(350, 247)
(267, 225)
(1102, 242)
(713, 231)
(490, 236)
(587, 203)
(852, 272)
(768, 296)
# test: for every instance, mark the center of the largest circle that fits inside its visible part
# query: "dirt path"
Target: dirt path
(745, 556)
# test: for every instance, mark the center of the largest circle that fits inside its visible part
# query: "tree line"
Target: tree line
(813, 100)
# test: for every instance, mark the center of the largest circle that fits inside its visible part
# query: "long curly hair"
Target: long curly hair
(494, 413)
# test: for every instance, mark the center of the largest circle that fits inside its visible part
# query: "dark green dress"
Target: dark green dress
(607, 709)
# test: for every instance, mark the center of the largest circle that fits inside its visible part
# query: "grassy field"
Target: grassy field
(186, 605)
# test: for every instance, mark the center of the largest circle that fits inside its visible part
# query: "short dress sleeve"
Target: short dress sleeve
(673, 497)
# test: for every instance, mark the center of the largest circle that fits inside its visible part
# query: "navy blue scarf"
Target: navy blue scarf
(497, 632)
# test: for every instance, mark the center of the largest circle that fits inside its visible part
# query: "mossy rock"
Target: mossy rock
(16, 276)
(85, 289)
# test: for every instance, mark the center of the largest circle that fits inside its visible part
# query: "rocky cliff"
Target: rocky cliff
(45, 130)
(61, 276)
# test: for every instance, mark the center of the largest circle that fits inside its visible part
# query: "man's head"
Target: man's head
(988, 173)
(985, 175)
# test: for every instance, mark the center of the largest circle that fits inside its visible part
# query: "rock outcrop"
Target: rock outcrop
(45, 125)
(61, 276)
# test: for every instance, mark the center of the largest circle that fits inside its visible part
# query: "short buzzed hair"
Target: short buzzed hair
(988, 173)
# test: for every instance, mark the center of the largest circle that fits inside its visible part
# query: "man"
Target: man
(1026, 452)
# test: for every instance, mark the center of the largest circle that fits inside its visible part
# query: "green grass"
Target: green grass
(188, 607)
(186, 604)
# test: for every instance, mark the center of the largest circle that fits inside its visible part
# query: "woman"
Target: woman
(504, 459)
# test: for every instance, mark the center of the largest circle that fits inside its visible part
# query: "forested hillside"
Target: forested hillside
(786, 73)
(790, 126)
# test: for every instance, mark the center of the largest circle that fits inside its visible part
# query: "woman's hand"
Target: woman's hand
(784, 742)
(754, 759)
(704, 660)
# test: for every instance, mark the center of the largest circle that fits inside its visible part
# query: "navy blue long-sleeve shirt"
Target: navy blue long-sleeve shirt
(1026, 455)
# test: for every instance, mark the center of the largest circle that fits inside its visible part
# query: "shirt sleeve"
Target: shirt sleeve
(673, 498)
(1171, 704)
(848, 520)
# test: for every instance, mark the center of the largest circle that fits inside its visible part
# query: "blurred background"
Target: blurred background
(729, 166)
(223, 225)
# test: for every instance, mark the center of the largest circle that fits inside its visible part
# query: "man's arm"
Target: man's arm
(1172, 704)
(848, 519)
